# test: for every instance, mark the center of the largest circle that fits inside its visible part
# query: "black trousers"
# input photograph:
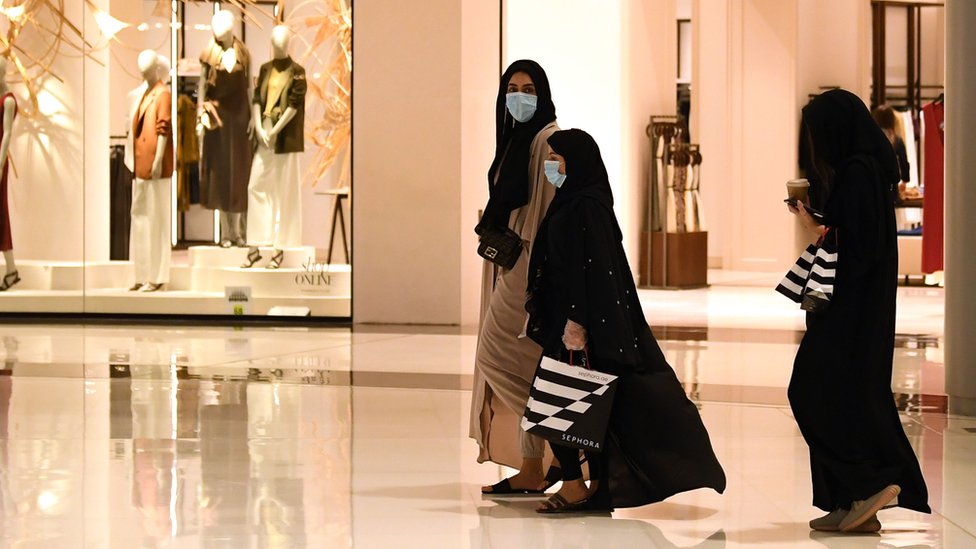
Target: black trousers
(569, 462)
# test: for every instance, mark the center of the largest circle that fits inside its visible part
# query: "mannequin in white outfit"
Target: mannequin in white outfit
(149, 239)
(274, 208)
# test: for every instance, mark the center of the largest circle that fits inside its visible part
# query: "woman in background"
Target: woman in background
(888, 121)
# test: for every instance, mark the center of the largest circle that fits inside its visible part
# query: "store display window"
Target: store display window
(176, 157)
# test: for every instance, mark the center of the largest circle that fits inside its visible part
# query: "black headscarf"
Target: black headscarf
(586, 178)
(839, 128)
(586, 175)
(578, 268)
(513, 140)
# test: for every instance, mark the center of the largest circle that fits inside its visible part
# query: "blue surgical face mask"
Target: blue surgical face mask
(521, 105)
(552, 173)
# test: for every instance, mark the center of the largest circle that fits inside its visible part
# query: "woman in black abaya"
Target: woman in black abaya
(840, 392)
(582, 293)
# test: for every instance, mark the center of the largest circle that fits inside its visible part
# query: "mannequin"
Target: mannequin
(224, 126)
(9, 112)
(274, 211)
(149, 240)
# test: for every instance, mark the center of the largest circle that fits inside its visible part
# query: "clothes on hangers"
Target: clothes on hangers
(933, 213)
(120, 203)
(6, 238)
(907, 218)
(187, 153)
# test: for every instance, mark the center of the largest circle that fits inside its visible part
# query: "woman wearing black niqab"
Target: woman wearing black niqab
(582, 292)
(504, 361)
(840, 391)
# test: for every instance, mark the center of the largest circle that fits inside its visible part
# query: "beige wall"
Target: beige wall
(649, 72)
(746, 120)
(711, 120)
(411, 219)
(834, 46)
(479, 85)
(47, 193)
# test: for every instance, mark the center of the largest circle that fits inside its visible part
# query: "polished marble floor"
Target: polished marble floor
(175, 436)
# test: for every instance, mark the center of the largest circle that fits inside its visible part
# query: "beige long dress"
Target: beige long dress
(504, 362)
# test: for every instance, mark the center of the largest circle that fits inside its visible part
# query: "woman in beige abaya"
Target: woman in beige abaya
(505, 363)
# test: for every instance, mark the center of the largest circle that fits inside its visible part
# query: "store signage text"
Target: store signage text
(314, 274)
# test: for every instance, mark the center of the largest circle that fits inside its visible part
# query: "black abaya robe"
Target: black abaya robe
(840, 391)
(657, 445)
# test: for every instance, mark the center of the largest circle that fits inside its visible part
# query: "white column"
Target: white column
(95, 120)
(960, 239)
(610, 69)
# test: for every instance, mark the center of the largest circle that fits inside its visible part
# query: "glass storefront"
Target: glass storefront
(177, 157)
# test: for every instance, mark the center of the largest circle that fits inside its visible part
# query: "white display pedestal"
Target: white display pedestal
(199, 288)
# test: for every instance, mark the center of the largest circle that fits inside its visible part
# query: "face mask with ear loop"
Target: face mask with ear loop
(552, 173)
(521, 105)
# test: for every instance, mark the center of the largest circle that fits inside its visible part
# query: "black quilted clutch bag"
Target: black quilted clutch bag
(500, 245)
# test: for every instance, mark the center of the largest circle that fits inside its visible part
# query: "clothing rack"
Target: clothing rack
(913, 89)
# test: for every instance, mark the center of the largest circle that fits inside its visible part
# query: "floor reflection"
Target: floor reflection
(166, 437)
(211, 459)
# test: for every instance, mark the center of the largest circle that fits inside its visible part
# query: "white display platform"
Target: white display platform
(49, 275)
(198, 288)
(215, 256)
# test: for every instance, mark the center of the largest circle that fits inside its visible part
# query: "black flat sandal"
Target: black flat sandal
(504, 486)
(276, 259)
(253, 257)
(557, 504)
(9, 280)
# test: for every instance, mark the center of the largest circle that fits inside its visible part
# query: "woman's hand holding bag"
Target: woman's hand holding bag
(574, 336)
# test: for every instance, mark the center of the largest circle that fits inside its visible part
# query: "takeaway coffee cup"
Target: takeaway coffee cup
(797, 189)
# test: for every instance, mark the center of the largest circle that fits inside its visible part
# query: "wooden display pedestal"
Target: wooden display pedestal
(678, 262)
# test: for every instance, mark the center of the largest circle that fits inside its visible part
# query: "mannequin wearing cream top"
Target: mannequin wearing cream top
(274, 211)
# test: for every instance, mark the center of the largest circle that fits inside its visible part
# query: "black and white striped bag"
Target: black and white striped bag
(569, 405)
(811, 280)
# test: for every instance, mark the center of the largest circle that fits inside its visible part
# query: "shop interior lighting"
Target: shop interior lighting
(108, 25)
(13, 12)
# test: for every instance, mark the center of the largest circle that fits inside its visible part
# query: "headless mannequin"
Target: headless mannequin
(222, 25)
(280, 38)
(11, 276)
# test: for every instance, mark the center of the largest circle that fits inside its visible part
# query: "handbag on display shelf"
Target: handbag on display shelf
(570, 405)
(811, 280)
(500, 245)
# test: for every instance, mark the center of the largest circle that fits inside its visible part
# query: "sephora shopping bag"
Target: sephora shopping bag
(810, 282)
(569, 405)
